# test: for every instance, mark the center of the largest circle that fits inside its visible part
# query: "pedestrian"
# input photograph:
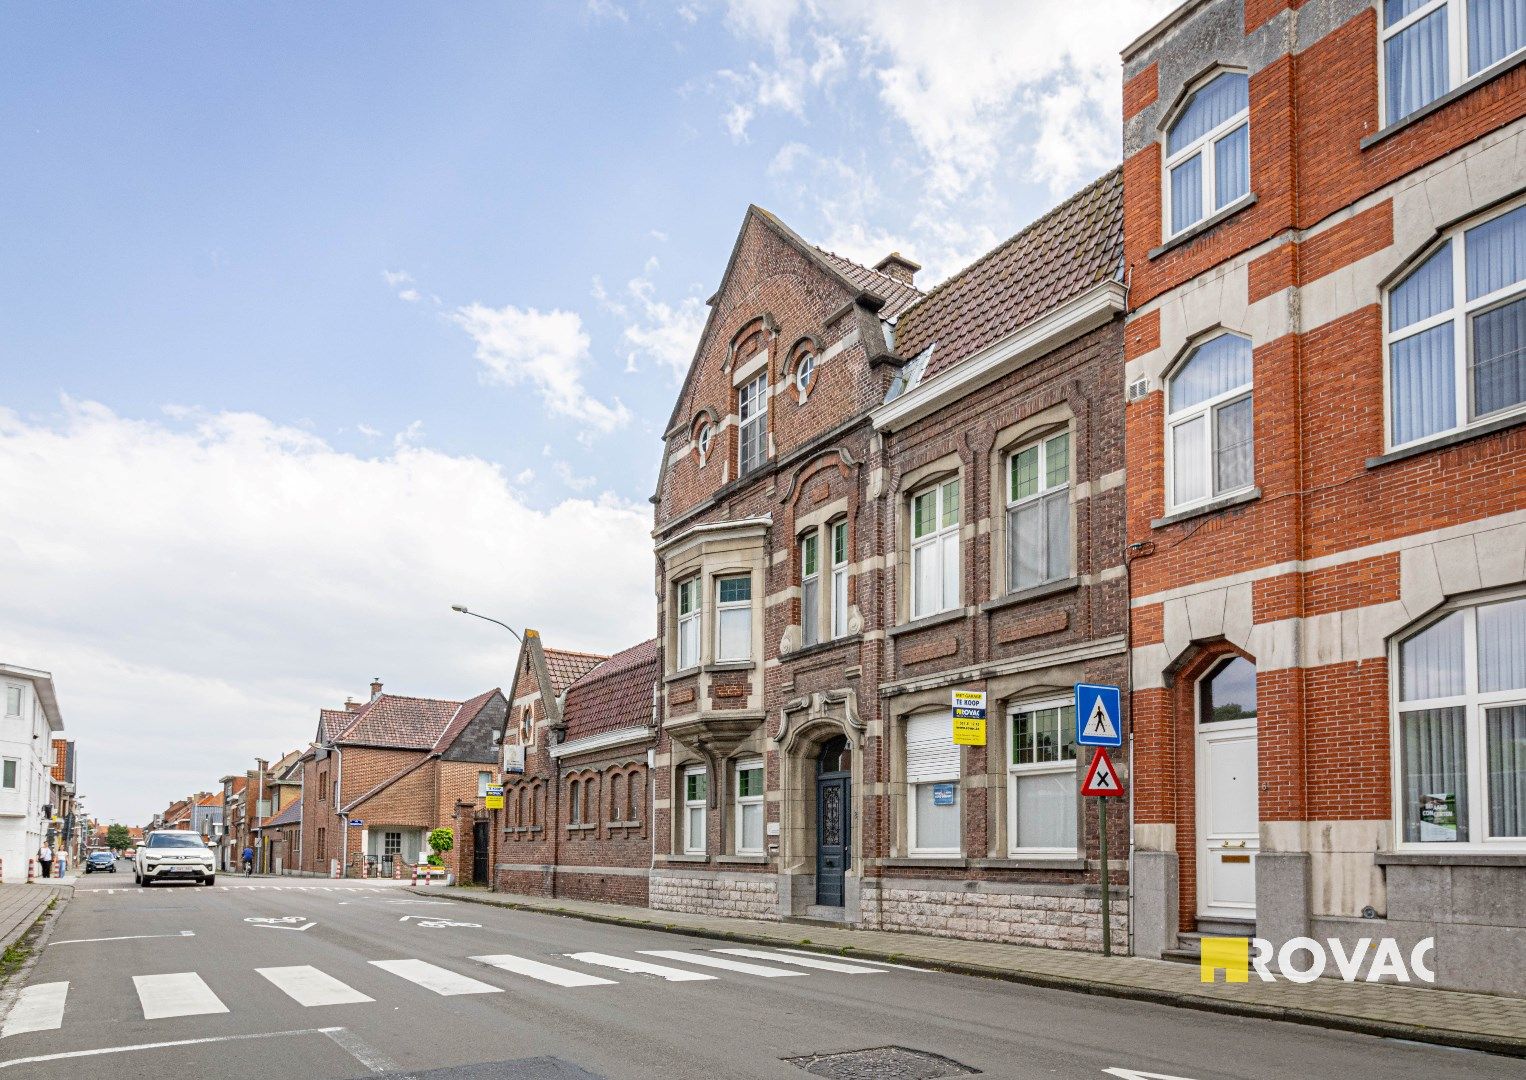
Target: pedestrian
(45, 857)
(248, 857)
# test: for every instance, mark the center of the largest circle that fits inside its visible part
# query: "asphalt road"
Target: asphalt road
(364, 979)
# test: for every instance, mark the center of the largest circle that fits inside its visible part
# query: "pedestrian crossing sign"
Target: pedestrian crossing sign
(1099, 715)
(1101, 778)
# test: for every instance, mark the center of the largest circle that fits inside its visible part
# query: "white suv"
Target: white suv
(171, 855)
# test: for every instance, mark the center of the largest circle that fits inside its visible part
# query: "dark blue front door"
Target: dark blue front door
(833, 821)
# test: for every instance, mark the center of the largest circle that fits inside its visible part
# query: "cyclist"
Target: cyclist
(248, 861)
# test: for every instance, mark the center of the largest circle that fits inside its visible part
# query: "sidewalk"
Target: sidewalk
(1445, 1017)
(22, 905)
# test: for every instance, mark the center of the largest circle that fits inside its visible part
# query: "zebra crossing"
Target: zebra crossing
(137, 890)
(42, 1006)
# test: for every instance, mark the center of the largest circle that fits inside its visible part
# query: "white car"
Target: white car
(172, 855)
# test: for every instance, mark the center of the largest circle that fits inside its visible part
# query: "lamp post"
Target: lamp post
(463, 610)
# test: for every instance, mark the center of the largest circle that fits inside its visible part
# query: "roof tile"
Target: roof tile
(616, 694)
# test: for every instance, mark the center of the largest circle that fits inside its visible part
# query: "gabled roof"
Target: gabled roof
(1075, 247)
(464, 715)
(566, 667)
(616, 694)
(392, 720)
(897, 294)
(331, 722)
(209, 800)
(290, 816)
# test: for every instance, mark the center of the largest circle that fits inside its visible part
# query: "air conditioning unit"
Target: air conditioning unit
(513, 758)
(1136, 390)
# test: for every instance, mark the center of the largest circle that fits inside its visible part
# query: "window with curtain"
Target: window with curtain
(839, 533)
(1456, 332)
(810, 589)
(749, 807)
(733, 618)
(695, 792)
(1461, 728)
(1208, 151)
(1431, 46)
(688, 623)
(1041, 779)
(1038, 513)
(752, 421)
(932, 785)
(1209, 429)
(935, 549)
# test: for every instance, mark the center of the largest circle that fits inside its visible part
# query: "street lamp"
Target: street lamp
(462, 609)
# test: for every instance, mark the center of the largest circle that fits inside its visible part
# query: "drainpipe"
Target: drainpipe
(651, 785)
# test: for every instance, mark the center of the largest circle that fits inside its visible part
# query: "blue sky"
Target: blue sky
(319, 318)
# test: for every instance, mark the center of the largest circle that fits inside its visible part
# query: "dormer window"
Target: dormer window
(1208, 151)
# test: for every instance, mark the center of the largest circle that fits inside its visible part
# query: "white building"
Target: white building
(28, 718)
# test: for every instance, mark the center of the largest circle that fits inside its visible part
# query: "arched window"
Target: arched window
(1228, 692)
(805, 367)
(1461, 728)
(616, 796)
(635, 784)
(835, 756)
(1456, 332)
(1208, 151)
(706, 433)
(575, 803)
(1209, 422)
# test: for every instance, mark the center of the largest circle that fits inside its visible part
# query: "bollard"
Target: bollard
(397, 870)
(415, 883)
(31, 871)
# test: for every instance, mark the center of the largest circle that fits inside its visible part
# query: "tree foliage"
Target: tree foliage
(118, 838)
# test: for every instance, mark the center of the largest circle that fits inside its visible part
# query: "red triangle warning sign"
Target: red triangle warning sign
(1101, 777)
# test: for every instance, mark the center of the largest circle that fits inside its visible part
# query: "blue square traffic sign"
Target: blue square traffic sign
(1099, 715)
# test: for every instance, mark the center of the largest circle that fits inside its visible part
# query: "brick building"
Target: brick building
(1326, 249)
(576, 819)
(386, 772)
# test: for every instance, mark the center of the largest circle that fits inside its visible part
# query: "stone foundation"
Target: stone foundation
(1054, 917)
(741, 896)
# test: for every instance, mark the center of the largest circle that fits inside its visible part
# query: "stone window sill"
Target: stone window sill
(930, 862)
(1244, 202)
(1444, 100)
(729, 665)
(685, 858)
(1030, 862)
(952, 615)
(1450, 858)
(1022, 596)
(821, 647)
(1452, 438)
(748, 860)
(1213, 507)
(681, 674)
(573, 830)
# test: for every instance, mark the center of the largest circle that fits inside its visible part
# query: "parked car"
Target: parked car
(100, 860)
(174, 855)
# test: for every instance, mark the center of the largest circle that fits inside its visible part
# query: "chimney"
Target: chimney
(898, 266)
(351, 705)
(375, 686)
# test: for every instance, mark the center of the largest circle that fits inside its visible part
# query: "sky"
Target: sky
(318, 319)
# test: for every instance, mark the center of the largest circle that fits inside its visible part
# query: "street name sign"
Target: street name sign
(1099, 715)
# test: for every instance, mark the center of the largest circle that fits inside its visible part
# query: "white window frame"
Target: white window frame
(1457, 51)
(12, 691)
(1461, 315)
(1208, 409)
(840, 559)
(943, 536)
(1474, 704)
(948, 775)
(810, 584)
(1204, 144)
(1062, 766)
(722, 609)
(696, 812)
(688, 623)
(752, 411)
(703, 440)
(15, 773)
(744, 802)
(805, 365)
(484, 780)
(1043, 493)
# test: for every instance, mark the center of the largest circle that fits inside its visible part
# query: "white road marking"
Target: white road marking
(1133, 1074)
(549, 973)
(161, 1045)
(717, 962)
(361, 1050)
(638, 967)
(180, 994)
(441, 981)
(126, 937)
(805, 961)
(306, 985)
(870, 963)
(39, 1007)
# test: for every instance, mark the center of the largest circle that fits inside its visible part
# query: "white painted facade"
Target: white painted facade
(29, 717)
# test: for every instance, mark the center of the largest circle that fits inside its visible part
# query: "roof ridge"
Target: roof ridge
(992, 252)
(577, 652)
(870, 270)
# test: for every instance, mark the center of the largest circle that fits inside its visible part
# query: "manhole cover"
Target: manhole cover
(881, 1063)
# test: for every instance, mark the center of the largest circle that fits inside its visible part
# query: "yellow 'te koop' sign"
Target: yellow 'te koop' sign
(969, 731)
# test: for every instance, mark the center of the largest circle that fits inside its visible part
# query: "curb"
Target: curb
(46, 918)
(1388, 1029)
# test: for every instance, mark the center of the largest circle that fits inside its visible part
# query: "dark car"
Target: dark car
(101, 860)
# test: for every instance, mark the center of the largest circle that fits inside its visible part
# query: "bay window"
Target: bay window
(749, 807)
(733, 619)
(688, 623)
(1038, 513)
(752, 418)
(1041, 779)
(1461, 728)
(1208, 151)
(839, 533)
(696, 793)
(1456, 332)
(935, 549)
(932, 785)
(1430, 47)
(1209, 429)
(810, 589)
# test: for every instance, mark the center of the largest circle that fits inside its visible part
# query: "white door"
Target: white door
(1228, 819)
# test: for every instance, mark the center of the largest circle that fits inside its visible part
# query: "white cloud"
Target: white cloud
(573, 481)
(396, 278)
(200, 586)
(659, 330)
(524, 476)
(368, 431)
(607, 9)
(548, 349)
